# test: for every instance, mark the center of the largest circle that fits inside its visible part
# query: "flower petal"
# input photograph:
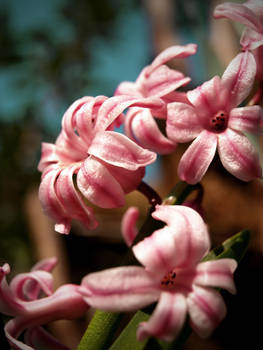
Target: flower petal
(128, 225)
(206, 309)
(97, 184)
(251, 40)
(119, 150)
(183, 124)
(216, 273)
(38, 338)
(190, 232)
(238, 79)
(114, 106)
(48, 156)
(147, 134)
(246, 119)
(197, 158)
(167, 319)
(119, 289)
(72, 201)
(239, 156)
(240, 13)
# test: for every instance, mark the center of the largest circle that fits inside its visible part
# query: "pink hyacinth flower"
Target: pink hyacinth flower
(89, 161)
(250, 13)
(214, 122)
(172, 275)
(21, 299)
(155, 80)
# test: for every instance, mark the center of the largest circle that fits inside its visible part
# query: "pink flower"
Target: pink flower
(89, 161)
(21, 299)
(155, 80)
(250, 13)
(172, 274)
(214, 122)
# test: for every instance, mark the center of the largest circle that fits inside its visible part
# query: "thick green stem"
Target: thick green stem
(100, 331)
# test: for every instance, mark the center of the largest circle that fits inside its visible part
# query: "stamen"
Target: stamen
(168, 280)
(218, 122)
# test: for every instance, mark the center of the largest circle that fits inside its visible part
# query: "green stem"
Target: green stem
(100, 331)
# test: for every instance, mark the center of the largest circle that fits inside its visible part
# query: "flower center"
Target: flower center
(218, 122)
(168, 280)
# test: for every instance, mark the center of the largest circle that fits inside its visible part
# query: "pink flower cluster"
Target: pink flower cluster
(91, 164)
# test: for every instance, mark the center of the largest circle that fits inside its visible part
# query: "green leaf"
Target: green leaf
(127, 339)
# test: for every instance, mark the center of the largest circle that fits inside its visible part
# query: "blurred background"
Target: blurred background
(55, 51)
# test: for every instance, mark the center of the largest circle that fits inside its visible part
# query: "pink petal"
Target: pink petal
(162, 81)
(97, 184)
(183, 124)
(247, 118)
(167, 319)
(251, 40)
(238, 79)
(127, 88)
(114, 106)
(190, 233)
(240, 13)
(239, 156)
(207, 98)
(72, 201)
(216, 273)
(157, 252)
(147, 134)
(42, 279)
(197, 158)
(128, 225)
(45, 264)
(170, 53)
(119, 150)
(38, 338)
(128, 180)
(206, 310)
(51, 203)
(119, 289)
(9, 304)
(48, 156)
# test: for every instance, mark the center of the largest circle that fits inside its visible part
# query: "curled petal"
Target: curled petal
(72, 201)
(128, 225)
(97, 184)
(190, 233)
(170, 53)
(206, 310)
(239, 156)
(246, 119)
(119, 289)
(128, 88)
(216, 273)
(147, 134)
(117, 149)
(114, 106)
(167, 319)
(9, 305)
(42, 279)
(251, 40)
(240, 13)
(238, 79)
(48, 156)
(197, 158)
(183, 124)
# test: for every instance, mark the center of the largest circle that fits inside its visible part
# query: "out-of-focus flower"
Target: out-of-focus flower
(250, 13)
(90, 161)
(22, 298)
(214, 122)
(155, 80)
(172, 274)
